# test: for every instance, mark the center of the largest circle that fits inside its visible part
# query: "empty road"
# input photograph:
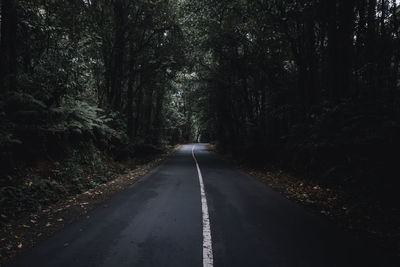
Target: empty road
(195, 210)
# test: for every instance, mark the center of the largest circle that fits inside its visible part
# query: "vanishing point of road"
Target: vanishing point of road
(196, 210)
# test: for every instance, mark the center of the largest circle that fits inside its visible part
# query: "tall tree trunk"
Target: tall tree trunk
(345, 42)
(371, 44)
(384, 9)
(340, 47)
(312, 62)
(361, 30)
(158, 116)
(120, 18)
(371, 29)
(148, 114)
(8, 62)
(396, 56)
(131, 80)
(331, 8)
(139, 106)
(383, 60)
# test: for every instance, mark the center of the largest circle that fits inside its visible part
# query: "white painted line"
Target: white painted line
(207, 244)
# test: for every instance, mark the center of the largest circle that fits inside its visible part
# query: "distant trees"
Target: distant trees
(140, 53)
(309, 81)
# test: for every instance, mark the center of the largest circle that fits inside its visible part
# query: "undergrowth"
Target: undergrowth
(31, 189)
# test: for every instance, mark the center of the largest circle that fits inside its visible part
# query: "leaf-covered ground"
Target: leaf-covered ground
(25, 232)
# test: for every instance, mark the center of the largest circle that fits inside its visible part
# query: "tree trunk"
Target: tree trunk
(396, 56)
(361, 30)
(332, 48)
(129, 109)
(131, 83)
(120, 17)
(139, 104)
(384, 8)
(346, 53)
(340, 47)
(158, 116)
(371, 29)
(8, 62)
(312, 62)
(371, 44)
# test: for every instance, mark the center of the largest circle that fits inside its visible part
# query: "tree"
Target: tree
(8, 44)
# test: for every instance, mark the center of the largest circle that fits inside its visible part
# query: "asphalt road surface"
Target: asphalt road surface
(166, 220)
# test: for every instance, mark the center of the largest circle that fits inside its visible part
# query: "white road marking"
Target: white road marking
(207, 244)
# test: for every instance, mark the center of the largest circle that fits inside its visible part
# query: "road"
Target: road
(164, 220)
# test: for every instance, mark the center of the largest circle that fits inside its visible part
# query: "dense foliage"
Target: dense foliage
(80, 70)
(311, 85)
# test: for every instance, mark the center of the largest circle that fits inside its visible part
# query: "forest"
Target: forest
(91, 87)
